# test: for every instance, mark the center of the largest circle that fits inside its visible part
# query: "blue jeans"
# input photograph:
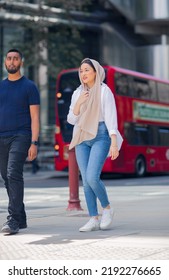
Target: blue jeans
(91, 156)
(13, 153)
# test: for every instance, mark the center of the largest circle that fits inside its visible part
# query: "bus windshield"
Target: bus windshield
(68, 83)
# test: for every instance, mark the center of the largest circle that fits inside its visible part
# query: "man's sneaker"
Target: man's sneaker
(10, 227)
(92, 224)
(107, 219)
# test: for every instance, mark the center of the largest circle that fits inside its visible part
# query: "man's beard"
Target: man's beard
(12, 70)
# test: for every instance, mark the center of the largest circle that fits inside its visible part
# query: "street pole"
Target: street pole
(74, 201)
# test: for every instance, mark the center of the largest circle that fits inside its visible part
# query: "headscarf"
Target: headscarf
(87, 124)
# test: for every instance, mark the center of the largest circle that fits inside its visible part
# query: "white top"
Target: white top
(108, 113)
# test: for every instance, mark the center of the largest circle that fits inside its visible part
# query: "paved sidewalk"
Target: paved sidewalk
(53, 234)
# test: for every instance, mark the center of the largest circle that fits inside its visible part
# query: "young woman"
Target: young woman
(95, 134)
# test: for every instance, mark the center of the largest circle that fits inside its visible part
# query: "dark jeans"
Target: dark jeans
(13, 153)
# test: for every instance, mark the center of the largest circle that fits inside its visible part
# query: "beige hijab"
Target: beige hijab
(87, 125)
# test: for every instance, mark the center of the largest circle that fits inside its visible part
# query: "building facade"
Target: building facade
(132, 34)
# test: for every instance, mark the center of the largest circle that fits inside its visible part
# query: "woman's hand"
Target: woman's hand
(82, 99)
(114, 153)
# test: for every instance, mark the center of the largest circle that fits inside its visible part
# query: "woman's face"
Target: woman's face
(87, 74)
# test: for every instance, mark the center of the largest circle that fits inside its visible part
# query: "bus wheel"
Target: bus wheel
(140, 167)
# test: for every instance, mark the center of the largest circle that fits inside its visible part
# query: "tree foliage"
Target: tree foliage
(54, 30)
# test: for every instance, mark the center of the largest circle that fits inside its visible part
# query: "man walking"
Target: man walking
(19, 132)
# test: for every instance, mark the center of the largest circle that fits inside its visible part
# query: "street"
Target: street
(147, 197)
(140, 230)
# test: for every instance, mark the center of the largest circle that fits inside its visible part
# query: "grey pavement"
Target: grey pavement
(140, 230)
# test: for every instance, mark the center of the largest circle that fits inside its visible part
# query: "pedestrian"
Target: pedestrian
(95, 134)
(19, 132)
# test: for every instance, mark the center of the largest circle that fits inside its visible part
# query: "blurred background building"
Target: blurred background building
(56, 35)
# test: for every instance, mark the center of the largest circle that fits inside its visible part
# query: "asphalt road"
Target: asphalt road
(114, 181)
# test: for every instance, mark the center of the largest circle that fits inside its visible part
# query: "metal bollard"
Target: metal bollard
(74, 202)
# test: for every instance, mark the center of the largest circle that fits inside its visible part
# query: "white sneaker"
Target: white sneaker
(91, 225)
(107, 219)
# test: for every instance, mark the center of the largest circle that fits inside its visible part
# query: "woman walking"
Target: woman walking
(93, 113)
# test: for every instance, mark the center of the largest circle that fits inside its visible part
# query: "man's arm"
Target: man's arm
(35, 127)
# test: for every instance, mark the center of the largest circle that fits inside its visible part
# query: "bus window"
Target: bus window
(69, 81)
(163, 92)
(152, 90)
(129, 133)
(142, 135)
(141, 88)
(153, 130)
(163, 136)
(122, 84)
(137, 135)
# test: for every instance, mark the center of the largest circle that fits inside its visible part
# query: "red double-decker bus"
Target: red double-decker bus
(143, 120)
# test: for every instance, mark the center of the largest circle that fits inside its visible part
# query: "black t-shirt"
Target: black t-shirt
(15, 99)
